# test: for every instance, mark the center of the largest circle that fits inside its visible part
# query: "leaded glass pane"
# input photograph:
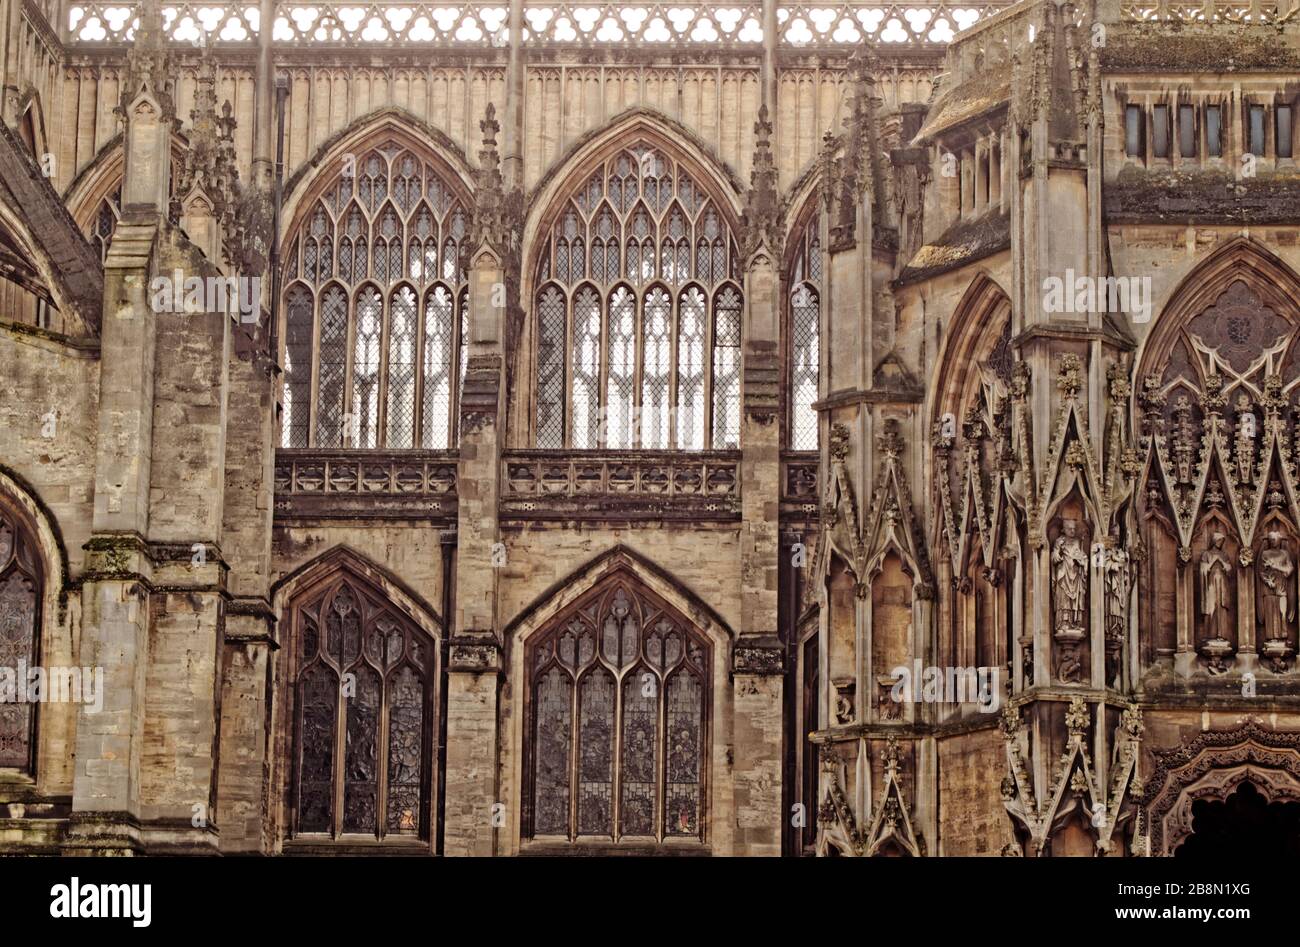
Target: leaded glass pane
(360, 771)
(319, 709)
(691, 341)
(596, 755)
(550, 368)
(365, 369)
(333, 367)
(805, 326)
(726, 370)
(586, 369)
(401, 368)
(684, 722)
(297, 368)
(620, 391)
(637, 799)
(405, 752)
(551, 754)
(656, 326)
(627, 681)
(436, 408)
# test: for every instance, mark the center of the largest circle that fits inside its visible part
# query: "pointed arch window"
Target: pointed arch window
(637, 315)
(805, 338)
(374, 279)
(364, 710)
(21, 589)
(618, 696)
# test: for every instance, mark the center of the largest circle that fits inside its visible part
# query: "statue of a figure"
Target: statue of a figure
(1117, 586)
(1069, 577)
(1215, 571)
(1275, 568)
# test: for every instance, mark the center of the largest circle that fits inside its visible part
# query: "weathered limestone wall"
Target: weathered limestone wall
(972, 820)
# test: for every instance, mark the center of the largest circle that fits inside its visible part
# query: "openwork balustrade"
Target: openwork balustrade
(636, 485)
(486, 24)
(320, 484)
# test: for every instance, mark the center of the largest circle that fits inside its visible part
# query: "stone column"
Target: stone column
(472, 813)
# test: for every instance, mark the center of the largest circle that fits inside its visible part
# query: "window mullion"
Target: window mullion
(575, 747)
(318, 314)
(616, 763)
(385, 325)
(661, 756)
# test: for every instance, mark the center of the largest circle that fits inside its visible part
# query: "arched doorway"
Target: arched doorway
(1245, 825)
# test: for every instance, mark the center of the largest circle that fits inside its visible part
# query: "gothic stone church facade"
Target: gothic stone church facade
(644, 420)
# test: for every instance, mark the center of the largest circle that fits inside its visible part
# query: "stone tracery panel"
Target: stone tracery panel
(1221, 420)
(618, 699)
(365, 698)
(376, 310)
(638, 312)
(551, 22)
(21, 587)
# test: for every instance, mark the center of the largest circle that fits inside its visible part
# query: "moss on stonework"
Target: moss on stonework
(1198, 196)
(1219, 47)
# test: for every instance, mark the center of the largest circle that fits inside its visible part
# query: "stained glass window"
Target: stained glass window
(380, 248)
(805, 339)
(20, 596)
(618, 712)
(364, 716)
(299, 326)
(626, 279)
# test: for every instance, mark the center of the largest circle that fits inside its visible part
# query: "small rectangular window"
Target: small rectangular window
(1187, 131)
(1257, 130)
(1133, 131)
(1160, 131)
(1213, 131)
(1282, 130)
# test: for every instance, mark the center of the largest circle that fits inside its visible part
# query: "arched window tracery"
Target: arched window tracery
(21, 589)
(638, 313)
(374, 279)
(618, 721)
(804, 334)
(364, 719)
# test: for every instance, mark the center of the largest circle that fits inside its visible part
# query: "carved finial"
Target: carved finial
(761, 222)
(1070, 376)
(839, 441)
(1076, 718)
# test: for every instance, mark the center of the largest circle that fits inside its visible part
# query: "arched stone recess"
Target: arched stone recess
(314, 175)
(33, 553)
(1218, 383)
(1211, 767)
(981, 429)
(98, 183)
(1085, 809)
(718, 192)
(377, 225)
(592, 590)
(418, 631)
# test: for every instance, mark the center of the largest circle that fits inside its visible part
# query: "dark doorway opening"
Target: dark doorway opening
(1245, 825)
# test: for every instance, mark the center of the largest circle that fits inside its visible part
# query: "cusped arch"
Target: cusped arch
(980, 322)
(596, 582)
(1211, 767)
(317, 173)
(1239, 259)
(550, 196)
(343, 558)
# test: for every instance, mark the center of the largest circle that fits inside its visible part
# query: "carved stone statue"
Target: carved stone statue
(1117, 581)
(1275, 568)
(1215, 573)
(1069, 577)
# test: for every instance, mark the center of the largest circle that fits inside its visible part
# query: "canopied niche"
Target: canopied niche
(1219, 406)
